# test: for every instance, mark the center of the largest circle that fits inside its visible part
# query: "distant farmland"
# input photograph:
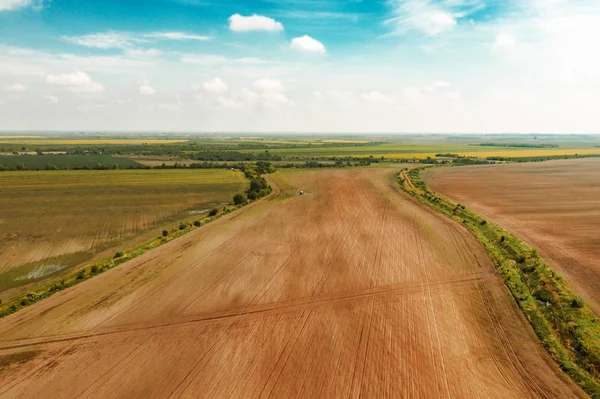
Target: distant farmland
(44, 141)
(58, 219)
(421, 151)
(39, 162)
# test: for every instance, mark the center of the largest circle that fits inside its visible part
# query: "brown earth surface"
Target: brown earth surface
(553, 206)
(352, 289)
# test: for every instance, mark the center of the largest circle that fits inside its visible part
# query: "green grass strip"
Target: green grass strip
(567, 327)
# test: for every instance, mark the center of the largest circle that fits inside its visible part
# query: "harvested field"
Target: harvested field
(554, 206)
(353, 289)
(57, 219)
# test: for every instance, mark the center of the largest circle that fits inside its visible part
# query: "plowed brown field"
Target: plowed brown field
(554, 206)
(351, 290)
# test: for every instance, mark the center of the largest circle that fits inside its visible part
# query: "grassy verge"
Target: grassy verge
(256, 191)
(569, 330)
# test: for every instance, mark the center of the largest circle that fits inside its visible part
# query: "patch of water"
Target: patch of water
(197, 212)
(40, 271)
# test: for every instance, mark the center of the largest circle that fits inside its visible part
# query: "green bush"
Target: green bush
(94, 269)
(544, 296)
(239, 199)
(214, 212)
(183, 225)
(577, 303)
(81, 274)
(118, 254)
(165, 233)
(197, 223)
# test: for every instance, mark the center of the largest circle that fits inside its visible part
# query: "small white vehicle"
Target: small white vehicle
(301, 192)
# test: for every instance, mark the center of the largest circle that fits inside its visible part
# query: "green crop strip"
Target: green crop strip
(569, 330)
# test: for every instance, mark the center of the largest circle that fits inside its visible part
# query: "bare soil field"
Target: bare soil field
(53, 220)
(353, 289)
(554, 206)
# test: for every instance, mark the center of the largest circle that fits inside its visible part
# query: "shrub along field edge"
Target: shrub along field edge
(569, 330)
(259, 188)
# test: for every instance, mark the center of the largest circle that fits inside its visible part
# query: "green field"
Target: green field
(411, 150)
(52, 221)
(40, 162)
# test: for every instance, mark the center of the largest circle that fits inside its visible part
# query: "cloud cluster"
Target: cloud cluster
(78, 82)
(307, 44)
(146, 89)
(240, 23)
(215, 85)
(264, 93)
(11, 5)
(430, 17)
(16, 88)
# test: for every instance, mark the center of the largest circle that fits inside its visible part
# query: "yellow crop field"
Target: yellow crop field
(342, 141)
(495, 153)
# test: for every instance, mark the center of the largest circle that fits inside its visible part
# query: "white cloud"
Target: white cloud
(505, 40)
(269, 85)
(11, 5)
(142, 53)
(177, 36)
(345, 96)
(265, 93)
(307, 44)
(171, 106)
(240, 23)
(78, 82)
(16, 87)
(226, 102)
(204, 59)
(215, 85)
(271, 91)
(128, 40)
(438, 86)
(377, 97)
(429, 17)
(51, 99)
(105, 40)
(250, 61)
(145, 88)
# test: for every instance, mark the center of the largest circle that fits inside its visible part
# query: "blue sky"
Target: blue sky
(300, 65)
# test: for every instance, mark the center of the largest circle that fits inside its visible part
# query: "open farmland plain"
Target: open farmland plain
(407, 150)
(554, 206)
(52, 220)
(353, 289)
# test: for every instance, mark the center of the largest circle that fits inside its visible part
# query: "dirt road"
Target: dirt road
(350, 290)
(554, 206)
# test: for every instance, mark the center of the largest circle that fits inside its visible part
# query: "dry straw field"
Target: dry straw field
(554, 206)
